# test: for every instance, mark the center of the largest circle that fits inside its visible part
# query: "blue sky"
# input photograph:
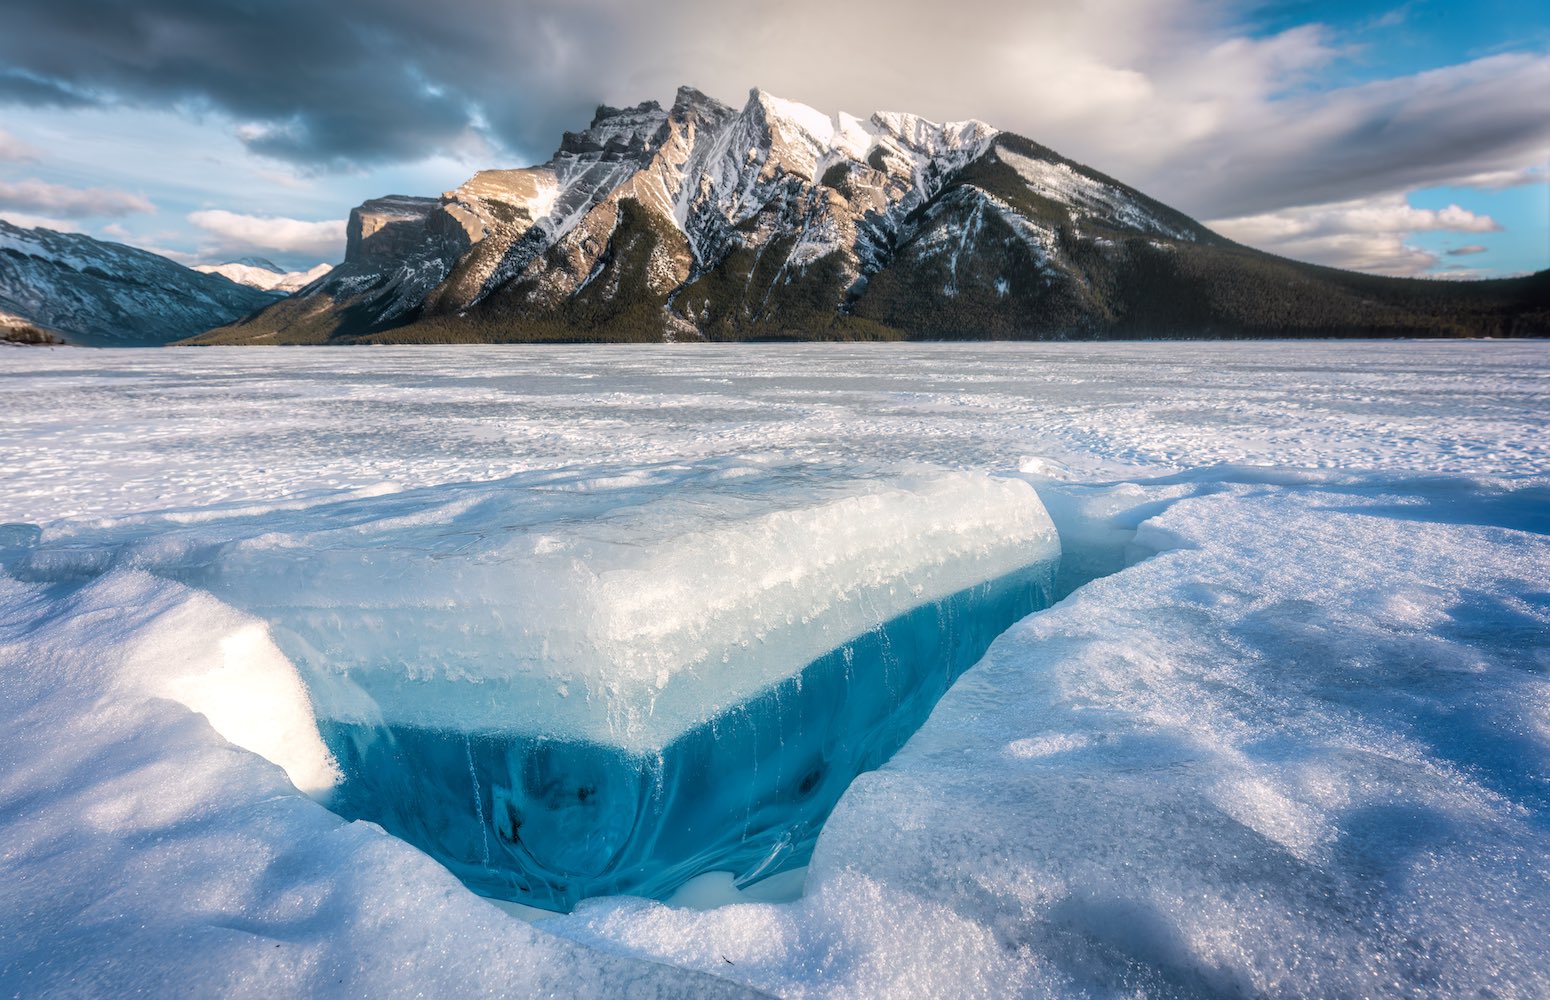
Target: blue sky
(1395, 138)
(1521, 247)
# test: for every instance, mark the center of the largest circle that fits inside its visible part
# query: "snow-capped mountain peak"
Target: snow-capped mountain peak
(261, 273)
(703, 220)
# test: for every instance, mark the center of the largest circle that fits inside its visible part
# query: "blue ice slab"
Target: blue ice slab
(548, 822)
(566, 685)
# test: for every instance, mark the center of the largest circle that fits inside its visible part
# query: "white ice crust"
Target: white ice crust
(607, 608)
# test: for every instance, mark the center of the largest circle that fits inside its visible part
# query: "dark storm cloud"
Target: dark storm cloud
(23, 88)
(1169, 95)
(316, 83)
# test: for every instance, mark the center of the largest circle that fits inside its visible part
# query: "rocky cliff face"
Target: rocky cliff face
(106, 294)
(775, 220)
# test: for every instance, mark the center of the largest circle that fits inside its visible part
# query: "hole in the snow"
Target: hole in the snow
(548, 821)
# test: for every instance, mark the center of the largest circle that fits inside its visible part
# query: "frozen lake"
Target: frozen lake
(1289, 733)
(99, 432)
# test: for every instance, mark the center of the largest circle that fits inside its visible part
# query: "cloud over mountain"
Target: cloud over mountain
(1178, 96)
(235, 234)
(1365, 235)
(35, 196)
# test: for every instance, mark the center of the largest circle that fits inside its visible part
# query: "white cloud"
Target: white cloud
(1392, 214)
(1391, 19)
(37, 196)
(28, 220)
(13, 149)
(1433, 128)
(237, 234)
(1173, 96)
(181, 256)
(283, 178)
(1456, 273)
(1363, 235)
(1500, 180)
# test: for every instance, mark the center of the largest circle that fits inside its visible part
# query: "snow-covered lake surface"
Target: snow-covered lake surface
(1289, 733)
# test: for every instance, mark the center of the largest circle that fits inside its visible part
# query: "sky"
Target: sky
(1389, 137)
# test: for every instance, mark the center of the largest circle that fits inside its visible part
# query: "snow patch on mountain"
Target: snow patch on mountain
(1087, 196)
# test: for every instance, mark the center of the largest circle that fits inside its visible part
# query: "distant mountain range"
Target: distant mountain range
(773, 221)
(73, 288)
(779, 222)
(265, 274)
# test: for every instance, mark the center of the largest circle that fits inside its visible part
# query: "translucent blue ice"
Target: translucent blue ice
(548, 821)
(569, 686)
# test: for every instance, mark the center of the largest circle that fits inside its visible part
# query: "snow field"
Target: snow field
(1297, 742)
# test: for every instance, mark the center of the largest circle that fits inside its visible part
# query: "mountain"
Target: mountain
(265, 274)
(106, 294)
(778, 221)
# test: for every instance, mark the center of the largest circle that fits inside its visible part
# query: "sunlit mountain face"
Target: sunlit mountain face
(1390, 139)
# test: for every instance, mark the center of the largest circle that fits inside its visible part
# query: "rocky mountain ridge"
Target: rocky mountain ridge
(96, 293)
(703, 221)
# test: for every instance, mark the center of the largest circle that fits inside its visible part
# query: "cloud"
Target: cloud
(1500, 180)
(1377, 215)
(28, 220)
(1175, 96)
(354, 82)
(237, 234)
(21, 87)
(1391, 19)
(183, 257)
(1363, 235)
(68, 202)
(1465, 251)
(1430, 129)
(13, 149)
(1456, 272)
(119, 234)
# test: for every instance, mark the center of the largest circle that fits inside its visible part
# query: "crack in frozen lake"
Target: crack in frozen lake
(548, 822)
